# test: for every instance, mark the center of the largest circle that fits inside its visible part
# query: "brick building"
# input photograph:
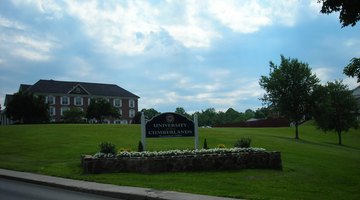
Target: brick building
(63, 95)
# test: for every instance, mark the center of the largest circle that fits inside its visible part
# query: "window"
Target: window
(52, 111)
(78, 101)
(117, 102)
(131, 113)
(65, 100)
(120, 112)
(131, 103)
(50, 100)
(63, 109)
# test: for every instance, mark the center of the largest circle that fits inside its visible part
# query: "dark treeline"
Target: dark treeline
(211, 117)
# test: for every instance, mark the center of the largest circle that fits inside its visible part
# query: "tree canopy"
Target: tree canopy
(335, 108)
(101, 108)
(353, 69)
(27, 108)
(349, 10)
(288, 88)
(74, 115)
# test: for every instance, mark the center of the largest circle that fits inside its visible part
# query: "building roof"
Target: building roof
(67, 87)
(8, 98)
(24, 87)
(356, 91)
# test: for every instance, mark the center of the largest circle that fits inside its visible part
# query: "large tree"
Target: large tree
(335, 108)
(181, 111)
(349, 10)
(100, 109)
(149, 113)
(74, 115)
(288, 88)
(353, 69)
(26, 108)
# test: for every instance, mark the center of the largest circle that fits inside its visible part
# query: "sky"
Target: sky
(195, 54)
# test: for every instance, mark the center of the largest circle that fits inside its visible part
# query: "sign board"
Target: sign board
(169, 125)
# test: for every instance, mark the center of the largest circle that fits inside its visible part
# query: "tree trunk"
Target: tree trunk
(339, 134)
(296, 130)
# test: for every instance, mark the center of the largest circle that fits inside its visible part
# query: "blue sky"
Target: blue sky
(176, 53)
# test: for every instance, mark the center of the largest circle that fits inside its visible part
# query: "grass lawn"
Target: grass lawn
(315, 167)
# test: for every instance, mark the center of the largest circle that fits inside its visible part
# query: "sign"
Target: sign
(169, 125)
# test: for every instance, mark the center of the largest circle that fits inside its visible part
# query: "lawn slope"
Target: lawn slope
(315, 167)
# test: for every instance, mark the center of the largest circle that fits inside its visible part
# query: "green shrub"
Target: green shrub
(140, 147)
(243, 143)
(107, 147)
(221, 146)
(205, 146)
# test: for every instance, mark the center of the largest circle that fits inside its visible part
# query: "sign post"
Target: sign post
(196, 132)
(143, 136)
(169, 125)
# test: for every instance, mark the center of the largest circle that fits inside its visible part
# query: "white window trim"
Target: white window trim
(63, 109)
(81, 101)
(120, 103)
(131, 103)
(50, 97)
(52, 113)
(68, 100)
(132, 113)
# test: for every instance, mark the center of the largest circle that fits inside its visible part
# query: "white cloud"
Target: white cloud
(251, 15)
(21, 41)
(351, 82)
(323, 73)
(135, 27)
(50, 9)
(29, 54)
(240, 16)
(6, 23)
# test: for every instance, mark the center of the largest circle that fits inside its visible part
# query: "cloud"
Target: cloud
(249, 16)
(243, 17)
(20, 41)
(50, 9)
(137, 27)
(7, 23)
(324, 74)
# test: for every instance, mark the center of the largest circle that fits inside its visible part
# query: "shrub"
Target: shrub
(205, 146)
(140, 147)
(107, 147)
(124, 150)
(221, 146)
(243, 143)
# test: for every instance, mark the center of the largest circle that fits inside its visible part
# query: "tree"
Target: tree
(353, 69)
(349, 10)
(101, 108)
(335, 108)
(150, 113)
(27, 108)
(74, 115)
(207, 117)
(181, 111)
(288, 88)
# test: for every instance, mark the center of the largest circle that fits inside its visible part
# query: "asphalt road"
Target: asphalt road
(17, 190)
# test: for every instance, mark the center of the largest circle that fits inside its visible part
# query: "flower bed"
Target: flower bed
(182, 160)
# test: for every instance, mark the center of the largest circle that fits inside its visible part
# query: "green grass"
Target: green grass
(315, 167)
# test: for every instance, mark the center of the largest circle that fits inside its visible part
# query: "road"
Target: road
(17, 190)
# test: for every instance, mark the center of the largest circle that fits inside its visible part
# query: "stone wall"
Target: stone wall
(205, 162)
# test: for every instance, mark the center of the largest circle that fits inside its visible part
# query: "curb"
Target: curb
(123, 192)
